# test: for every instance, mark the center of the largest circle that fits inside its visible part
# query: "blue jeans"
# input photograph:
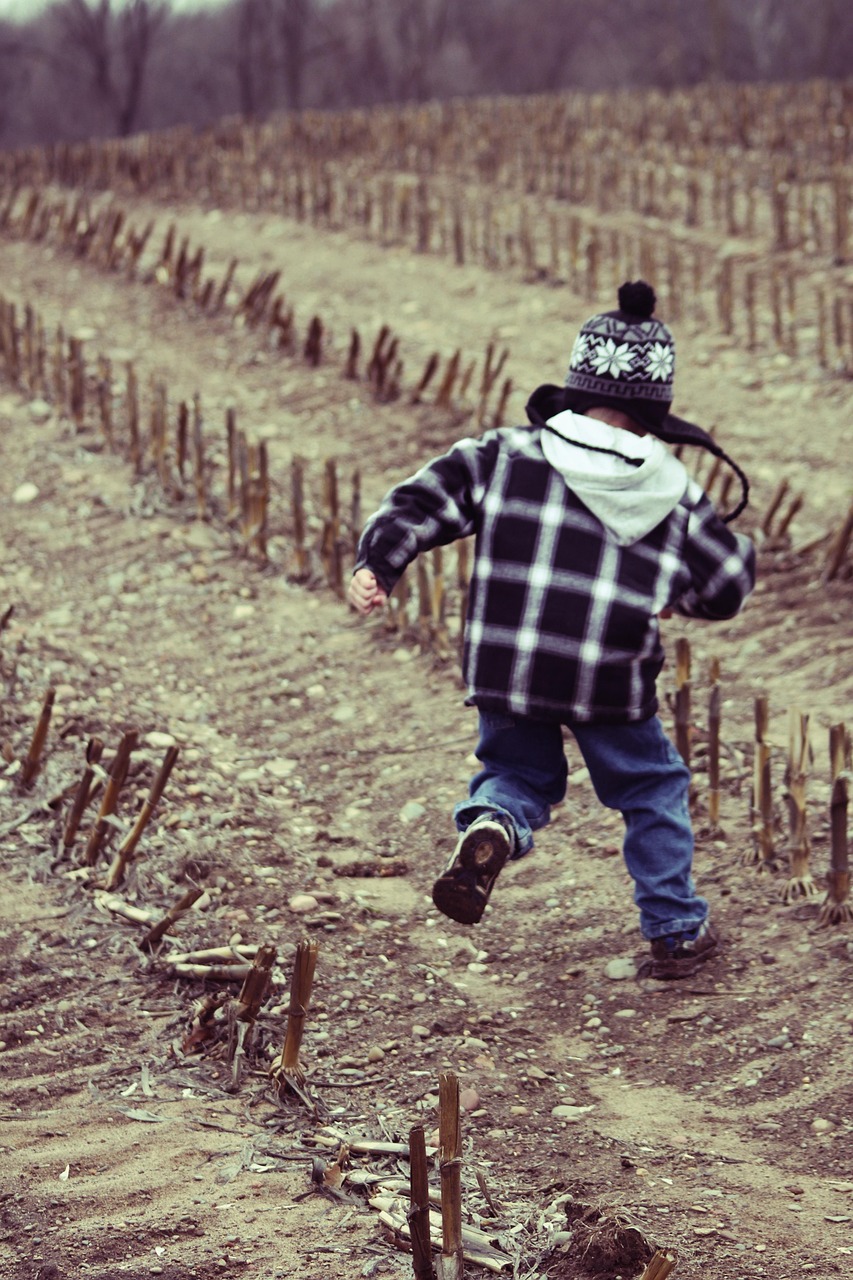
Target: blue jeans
(633, 767)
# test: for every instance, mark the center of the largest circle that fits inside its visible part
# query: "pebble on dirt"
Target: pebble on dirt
(302, 903)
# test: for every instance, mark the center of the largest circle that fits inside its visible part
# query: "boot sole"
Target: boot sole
(463, 891)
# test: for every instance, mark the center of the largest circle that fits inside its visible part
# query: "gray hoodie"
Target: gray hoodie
(629, 482)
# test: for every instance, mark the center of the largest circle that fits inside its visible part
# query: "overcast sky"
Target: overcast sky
(22, 9)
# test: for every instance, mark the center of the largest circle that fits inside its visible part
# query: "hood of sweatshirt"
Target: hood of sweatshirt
(548, 401)
(630, 482)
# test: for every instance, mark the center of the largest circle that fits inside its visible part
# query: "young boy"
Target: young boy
(587, 530)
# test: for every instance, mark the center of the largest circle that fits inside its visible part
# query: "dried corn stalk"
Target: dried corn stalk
(263, 501)
(426, 378)
(662, 1264)
(127, 849)
(444, 397)
(181, 431)
(115, 781)
(243, 1015)
(503, 399)
(83, 795)
(313, 349)
(775, 503)
(714, 717)
(32, 760)
(330, 550)
(153, 936)
(111, 902)
(297, 490)
(256, 986)
(839, 546)
(424, 603)
(477, 1246)
(450, 1169)
(355, 511)
(207, 955)
(761, 814)
(463, 585)
(231, 458)
(212, 972)
(132, 403)
(198, 459)
(419, 1212)
(801, 884)
(397, 613)
(837, 908)
(105, 399)
(780, 533)
(492, 370)
(351, 366)
(77, 378)
(287, 1072)
(440, 639)
(59, 370)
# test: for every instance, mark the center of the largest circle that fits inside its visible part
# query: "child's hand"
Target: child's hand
(365, 594)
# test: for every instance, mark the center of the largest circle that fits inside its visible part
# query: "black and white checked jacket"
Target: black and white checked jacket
(562, 620)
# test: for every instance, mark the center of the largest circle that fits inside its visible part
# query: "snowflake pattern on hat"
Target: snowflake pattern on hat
(610, 359)
(661, 361)
(579, 350)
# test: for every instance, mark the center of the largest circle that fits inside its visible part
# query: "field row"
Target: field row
(771, 163)
(777, 304)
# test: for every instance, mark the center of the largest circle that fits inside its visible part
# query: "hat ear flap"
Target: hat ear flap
(676, 430)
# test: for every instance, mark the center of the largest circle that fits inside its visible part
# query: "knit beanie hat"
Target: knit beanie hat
(625, 359)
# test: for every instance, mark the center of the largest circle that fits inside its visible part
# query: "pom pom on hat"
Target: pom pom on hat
(637, 298)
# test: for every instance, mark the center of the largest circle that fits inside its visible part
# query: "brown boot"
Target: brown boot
(679, 957)
(462, 890)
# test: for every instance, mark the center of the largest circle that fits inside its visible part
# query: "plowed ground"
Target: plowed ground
(321, 756)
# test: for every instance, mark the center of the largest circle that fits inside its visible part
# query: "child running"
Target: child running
(587, 529)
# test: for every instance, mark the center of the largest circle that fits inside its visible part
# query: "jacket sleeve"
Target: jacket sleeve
(721, 565)
(437, 505)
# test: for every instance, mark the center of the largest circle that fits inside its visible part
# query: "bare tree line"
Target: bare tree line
(97, 68)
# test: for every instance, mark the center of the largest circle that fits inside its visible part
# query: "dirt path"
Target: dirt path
(317, 755)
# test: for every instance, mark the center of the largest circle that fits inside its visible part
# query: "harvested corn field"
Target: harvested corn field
(216, 355)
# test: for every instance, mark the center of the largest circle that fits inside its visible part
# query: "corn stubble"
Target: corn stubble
(243, 1013)
(837, 908)
(450, 1263)
(763, 852)
(287, 1073)
(126, 852)
(32, 760)
(801, 883)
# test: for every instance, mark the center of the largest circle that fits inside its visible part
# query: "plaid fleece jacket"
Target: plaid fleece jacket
(562, 620)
